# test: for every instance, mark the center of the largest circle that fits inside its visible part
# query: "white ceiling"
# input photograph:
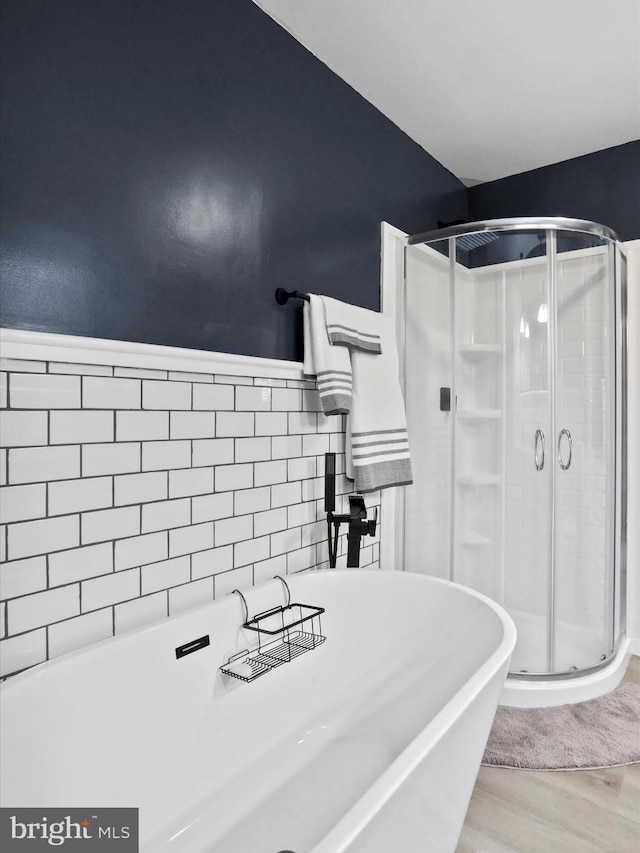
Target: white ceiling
(488, 87)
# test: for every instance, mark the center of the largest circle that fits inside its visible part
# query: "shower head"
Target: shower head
(475, 240)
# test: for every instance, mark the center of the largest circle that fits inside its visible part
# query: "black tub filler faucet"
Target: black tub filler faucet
(356, 519)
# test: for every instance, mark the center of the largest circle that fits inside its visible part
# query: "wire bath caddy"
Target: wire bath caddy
(284, 633)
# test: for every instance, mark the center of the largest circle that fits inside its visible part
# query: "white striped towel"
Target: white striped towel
(330, 364)
(377, 447)
(353, 353)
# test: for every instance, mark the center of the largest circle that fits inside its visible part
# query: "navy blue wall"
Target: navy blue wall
(166, 164)
(603, 187)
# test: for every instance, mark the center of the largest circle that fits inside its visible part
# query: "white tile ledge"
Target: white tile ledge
(44, 346)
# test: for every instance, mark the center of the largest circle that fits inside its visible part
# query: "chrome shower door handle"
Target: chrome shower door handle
(564, 465)
(539, 450)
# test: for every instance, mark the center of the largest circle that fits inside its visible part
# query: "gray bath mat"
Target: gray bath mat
(603, 732)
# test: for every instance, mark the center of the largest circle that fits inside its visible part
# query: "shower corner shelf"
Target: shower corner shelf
(285, 638)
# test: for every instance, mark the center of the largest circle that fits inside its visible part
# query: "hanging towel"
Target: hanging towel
(377, 439)
(330, 365)
(353, 353)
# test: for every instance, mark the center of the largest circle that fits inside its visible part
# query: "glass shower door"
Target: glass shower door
(584, 447)
(518, 430)
(528, 493)
(503, 454)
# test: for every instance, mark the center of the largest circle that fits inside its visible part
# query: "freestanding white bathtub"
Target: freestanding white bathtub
(368, 743)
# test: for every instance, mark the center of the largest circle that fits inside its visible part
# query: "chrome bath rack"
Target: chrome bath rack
(281, 637)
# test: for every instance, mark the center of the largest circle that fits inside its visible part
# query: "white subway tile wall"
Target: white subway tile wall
(130, 494)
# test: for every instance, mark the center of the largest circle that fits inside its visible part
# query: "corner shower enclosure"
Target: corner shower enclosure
(514, 368)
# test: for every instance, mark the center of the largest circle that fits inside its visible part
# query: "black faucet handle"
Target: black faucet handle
(357, 509)
(358, 515)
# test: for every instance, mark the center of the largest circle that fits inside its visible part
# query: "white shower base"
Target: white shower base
(546, 693)
(577, 646)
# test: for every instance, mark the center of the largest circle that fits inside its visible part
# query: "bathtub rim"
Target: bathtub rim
(18, 678)
(123, 636)
(398, 771)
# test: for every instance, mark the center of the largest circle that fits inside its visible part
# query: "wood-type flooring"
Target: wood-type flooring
(575, 811)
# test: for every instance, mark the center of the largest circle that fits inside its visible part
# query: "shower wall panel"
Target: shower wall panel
(478, 453)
